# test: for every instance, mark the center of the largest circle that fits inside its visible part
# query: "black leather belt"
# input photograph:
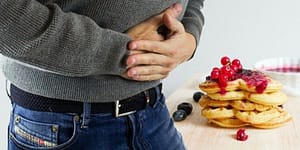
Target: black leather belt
(119, 108)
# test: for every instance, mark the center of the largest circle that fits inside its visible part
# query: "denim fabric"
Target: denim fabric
(147, 129)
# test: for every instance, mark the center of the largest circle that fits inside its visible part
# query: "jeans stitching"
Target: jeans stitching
(60, 146)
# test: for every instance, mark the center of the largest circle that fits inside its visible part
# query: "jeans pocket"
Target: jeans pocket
(26, 133)
(33, 134)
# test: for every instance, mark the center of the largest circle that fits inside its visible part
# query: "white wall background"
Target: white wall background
(248, 30)
(244, 29)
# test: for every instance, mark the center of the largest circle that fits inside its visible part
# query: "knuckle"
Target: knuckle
(168, 70)
(154, 47)
(153, 61)
(164, 76)
(151, 69)
(174, 52)
(171, 63)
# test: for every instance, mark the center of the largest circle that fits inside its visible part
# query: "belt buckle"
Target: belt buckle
(117, 114)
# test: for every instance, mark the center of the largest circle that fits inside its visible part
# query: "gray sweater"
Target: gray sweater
(75, 49)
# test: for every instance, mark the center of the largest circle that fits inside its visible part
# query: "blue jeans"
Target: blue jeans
(147, 129)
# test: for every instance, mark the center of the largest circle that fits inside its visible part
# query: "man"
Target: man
(86, 74)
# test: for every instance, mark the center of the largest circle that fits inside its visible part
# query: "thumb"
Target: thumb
(173, 24)
(173, 10)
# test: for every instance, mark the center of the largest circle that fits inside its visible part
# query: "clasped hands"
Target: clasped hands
(152, 55)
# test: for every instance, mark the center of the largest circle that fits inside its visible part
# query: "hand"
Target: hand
(162, 56)
(147, 30)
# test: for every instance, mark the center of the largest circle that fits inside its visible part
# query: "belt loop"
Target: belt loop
(158, 90)
(86, 115)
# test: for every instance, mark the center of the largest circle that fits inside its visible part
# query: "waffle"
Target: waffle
(245, 101)
(210, 86)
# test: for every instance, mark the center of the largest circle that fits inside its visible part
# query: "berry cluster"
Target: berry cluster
(183, 110)
(227, 71)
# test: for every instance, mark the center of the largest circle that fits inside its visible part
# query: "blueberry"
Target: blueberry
(187, 107)
(197, 95)
(179, 115)
(208, 78)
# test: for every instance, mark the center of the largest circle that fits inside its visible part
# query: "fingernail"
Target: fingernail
(177, 7)
(131, 61)
(132, 73)
(135, 77)
(133, 46)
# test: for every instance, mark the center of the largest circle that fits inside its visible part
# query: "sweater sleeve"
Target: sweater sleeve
(193, 19)
(69, 44)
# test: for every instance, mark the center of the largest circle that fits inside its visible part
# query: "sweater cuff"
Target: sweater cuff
(195, 30)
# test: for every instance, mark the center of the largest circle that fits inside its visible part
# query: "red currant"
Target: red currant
(215, 69)
(240, 67)
(241, 135)
(224, 69)
(236, 62)
(230, 73)
(214, 74)
(223, 78)
(225, 60)
(233, 67)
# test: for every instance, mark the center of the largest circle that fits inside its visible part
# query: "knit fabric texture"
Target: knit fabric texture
(75, 49)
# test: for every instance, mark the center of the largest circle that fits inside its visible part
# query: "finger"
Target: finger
(150, 77)
(173, 24)
(160, 47)
(132, 45)
(134, 52)
(173, 11)
(148, 72)
(143, 70)
(148, 59)
(125, 76)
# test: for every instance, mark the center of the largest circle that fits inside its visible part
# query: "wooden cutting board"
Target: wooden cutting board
(199, 135)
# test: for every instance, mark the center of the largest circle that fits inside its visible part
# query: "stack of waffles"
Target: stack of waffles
(250, 99)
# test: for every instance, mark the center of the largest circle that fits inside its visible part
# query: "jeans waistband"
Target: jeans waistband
(40, 103)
